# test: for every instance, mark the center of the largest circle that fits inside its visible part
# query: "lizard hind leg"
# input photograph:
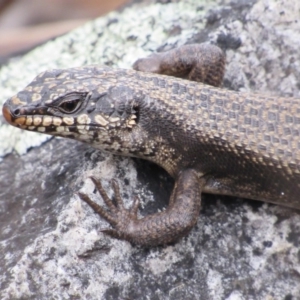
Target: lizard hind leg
(156, 229)
(197, 62)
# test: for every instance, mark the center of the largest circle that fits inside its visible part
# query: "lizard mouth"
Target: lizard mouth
(23, 117)
(61, 126)
(40, 123)
(18, 119)
(35, 120)
(44, 124)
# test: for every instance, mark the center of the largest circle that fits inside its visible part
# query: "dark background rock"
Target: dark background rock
(50, 242)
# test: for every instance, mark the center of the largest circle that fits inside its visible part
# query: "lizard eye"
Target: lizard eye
(70, 103)
(69, 106)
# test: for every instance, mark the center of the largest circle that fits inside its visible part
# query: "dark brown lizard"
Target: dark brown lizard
(209, 139)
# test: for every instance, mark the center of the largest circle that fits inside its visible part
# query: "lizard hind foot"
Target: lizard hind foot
(120, 218)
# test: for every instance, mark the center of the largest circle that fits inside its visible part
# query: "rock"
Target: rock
(51, 244)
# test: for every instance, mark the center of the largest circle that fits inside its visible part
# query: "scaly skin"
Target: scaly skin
(209, 139)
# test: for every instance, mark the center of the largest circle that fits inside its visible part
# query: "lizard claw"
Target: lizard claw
(160, 228)
(120, 218)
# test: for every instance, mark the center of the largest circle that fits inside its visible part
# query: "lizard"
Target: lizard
(170, 110)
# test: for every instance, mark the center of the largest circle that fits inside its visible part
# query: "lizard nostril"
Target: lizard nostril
(17, 112)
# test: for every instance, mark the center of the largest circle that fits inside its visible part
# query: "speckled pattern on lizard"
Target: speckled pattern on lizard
(209, 139)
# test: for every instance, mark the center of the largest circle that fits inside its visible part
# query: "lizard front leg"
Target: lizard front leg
(160, 228)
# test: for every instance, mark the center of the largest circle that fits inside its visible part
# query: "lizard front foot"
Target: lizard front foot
(160, 228)
(121, 219)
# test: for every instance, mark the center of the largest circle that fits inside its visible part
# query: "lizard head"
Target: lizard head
(90, 104)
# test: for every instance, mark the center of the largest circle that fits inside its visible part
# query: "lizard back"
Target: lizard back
(247, 145)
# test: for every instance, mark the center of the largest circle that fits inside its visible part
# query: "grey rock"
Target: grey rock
(51, 244)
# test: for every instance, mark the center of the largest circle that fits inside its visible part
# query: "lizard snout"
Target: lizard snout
(13, 117)
(7, 114)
